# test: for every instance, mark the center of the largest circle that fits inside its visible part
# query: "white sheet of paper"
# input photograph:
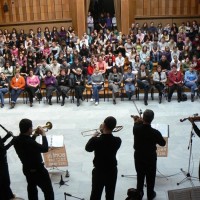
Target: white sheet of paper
(53, 140)
(163, 128)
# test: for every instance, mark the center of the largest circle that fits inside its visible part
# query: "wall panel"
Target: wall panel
(34, 10)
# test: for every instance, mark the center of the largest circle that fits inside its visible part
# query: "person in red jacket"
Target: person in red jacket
(175, 83)
(17, 85)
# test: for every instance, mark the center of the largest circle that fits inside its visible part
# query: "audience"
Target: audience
(43, 50)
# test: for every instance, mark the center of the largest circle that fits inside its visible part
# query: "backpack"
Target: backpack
(184, 97)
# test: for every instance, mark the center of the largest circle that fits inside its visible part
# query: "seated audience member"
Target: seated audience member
(186, 65)
(4, 84)
(55, 68)
(190, 81)
(155, 54)
(43, 69)
(75, 65)
(165, 64)
(97, 81)
(129, 81)
(159, 79)
(175, 83)
(79, 85)
(110, 65)
(50, 82)
(17, 85)
(136, 65)
(101, 65)
(114, 79)
(32, 85)
(143, 81)
(149, 64)
(119, 62)
(8, 70)
(63, 85)
(90, 71)
(176, 62)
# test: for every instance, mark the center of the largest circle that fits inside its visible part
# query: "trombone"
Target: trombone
(97, 130)
(48, 126)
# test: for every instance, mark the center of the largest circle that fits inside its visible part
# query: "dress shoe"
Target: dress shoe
(2, 105)
(169, 100)
(62, 104)
(152, 196)
(31, 104)
(114, 101)
(50, 103)
(179, 100)
(78, 103)
(145, 103)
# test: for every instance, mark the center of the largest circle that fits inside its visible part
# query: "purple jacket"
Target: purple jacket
(50, 81)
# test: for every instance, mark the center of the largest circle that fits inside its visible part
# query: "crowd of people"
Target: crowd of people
(147, 57)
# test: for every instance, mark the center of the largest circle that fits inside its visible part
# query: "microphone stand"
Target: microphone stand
(67, 194)
(62, 182)
(187, 174)
(8, 132)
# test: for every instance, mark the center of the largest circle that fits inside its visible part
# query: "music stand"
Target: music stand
(187, 174)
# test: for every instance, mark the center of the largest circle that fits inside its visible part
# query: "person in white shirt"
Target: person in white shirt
(55, 68)
(114, 23)
(176, 62)
(119, 62)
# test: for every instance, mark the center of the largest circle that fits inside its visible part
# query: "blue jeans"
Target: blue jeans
(15, 94)
(130, 89)
(2, 92)
(192, 86)
(96, 89)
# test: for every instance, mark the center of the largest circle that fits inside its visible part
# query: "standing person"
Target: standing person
(5, 190)
(90, 23)
(105, 149)
(29, 152)
(145, 140)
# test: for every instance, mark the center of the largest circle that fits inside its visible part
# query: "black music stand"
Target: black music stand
(187, 174)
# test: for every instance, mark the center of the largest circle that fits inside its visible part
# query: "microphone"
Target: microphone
(196, 114)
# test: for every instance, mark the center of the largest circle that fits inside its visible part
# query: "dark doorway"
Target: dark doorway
(101, 6)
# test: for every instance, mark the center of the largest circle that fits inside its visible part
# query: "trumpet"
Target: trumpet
(48, 126)
(98, 130)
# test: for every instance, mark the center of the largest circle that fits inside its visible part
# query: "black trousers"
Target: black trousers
(146, 168)
(79, 91)
(31, 92)
(173, 88)
(101, 179)
(159, 87)
(38, 177)
(5, 190)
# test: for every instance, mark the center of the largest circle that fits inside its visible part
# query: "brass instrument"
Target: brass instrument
(97, 130)
(48, 126)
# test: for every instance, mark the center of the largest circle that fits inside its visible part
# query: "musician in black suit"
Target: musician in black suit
(29, 152)
(105, 149)
(145, 140)
(5, 190)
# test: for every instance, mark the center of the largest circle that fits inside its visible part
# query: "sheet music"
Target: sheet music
(163, 128)
(54, 140)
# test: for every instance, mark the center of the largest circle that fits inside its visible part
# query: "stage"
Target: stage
(69, 120)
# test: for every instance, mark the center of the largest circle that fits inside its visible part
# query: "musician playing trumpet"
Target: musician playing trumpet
(145, 140)
(29, 152)
(105, 147)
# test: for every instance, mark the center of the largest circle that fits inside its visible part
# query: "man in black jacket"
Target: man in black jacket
(105, 148)
(29, 152)
(145, 140)
(5, 190)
